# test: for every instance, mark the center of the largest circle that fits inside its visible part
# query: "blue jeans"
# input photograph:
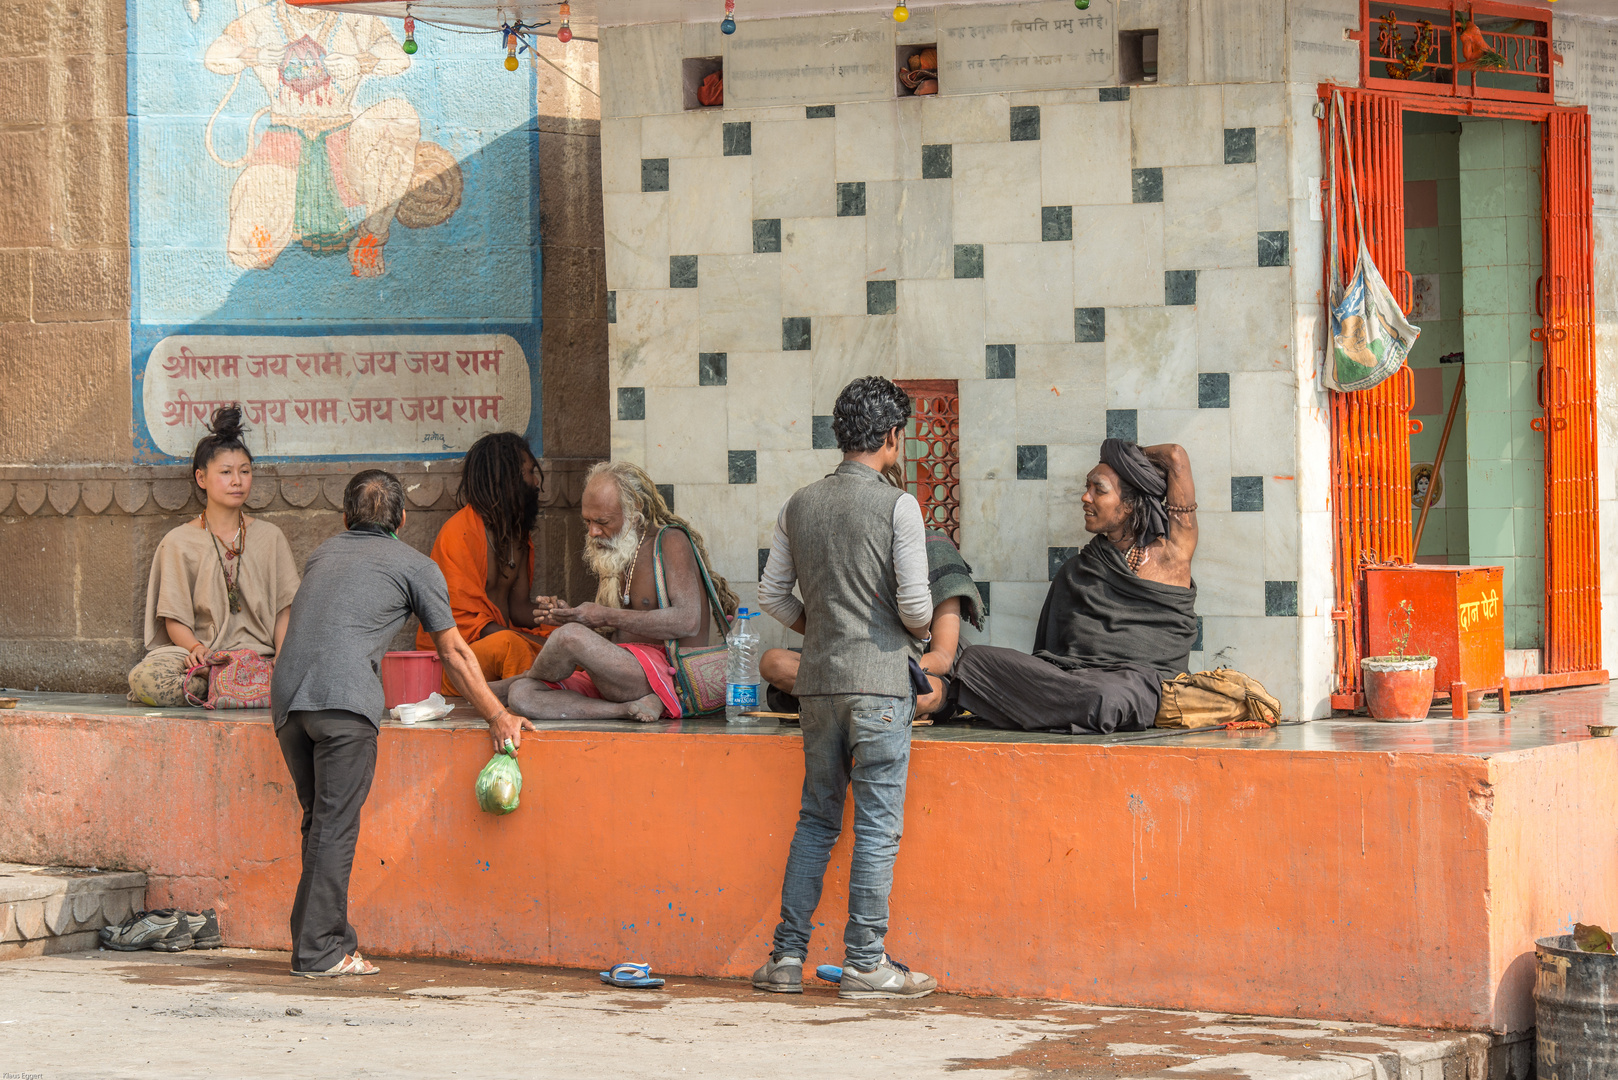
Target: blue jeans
(864, 738)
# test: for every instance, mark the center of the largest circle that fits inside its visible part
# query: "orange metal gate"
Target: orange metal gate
(1567, 394)
(1370, 429)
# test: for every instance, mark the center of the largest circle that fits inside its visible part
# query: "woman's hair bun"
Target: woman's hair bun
(227, 423)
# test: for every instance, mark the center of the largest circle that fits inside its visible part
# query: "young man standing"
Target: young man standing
(854, 545)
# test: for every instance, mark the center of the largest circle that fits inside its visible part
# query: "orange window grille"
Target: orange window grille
(1476, 49)
(932, 452)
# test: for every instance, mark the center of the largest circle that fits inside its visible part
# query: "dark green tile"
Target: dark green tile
(654, 174)
(632, 403)
(1025, 123)
(937, 161)
(819, 112)
(1273, 248)
(983, 594)
(682, 271)
(795, 333)
(766, 235)
(1179, 287)
(1121, 424)
(612, 305)
(1000, 362)
(1241, 146)
(739, 139)
(1055, 557)
(851, 199)
(1115, 93)
(1089, 324)
(1280, 598)
(968, 260)
(744, 466)
(821, 435)
(1213, 390)
(1146, 185)
(1056, 223)
(1196, 646)
(1031, 463)
(881, 297)
(711, 368)
(763, 561)
(1247, 494)
(667, 491)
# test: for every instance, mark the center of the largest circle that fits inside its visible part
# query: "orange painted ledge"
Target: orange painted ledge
(1345, 881)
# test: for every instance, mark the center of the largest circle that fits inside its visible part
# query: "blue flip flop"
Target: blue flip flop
(829, 973)
(628, 976)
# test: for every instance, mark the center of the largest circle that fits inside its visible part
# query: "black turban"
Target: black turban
(1137, 470)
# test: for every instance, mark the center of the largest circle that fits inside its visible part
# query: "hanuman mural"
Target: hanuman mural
(323, 173)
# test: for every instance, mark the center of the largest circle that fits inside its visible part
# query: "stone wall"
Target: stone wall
(78, 548)
(64, 236)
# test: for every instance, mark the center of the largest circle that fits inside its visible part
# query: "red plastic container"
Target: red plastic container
(410, 676)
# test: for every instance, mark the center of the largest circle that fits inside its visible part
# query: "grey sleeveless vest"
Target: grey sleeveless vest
(841, 532)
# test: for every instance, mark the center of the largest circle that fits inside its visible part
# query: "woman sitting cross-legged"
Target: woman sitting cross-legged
(221, 583)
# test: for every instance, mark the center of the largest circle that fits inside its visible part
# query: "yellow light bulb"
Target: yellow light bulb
(511, 63)
(901, 13)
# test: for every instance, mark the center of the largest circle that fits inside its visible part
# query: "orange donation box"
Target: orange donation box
(1455, 613)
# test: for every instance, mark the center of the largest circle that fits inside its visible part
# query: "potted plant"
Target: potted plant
(1399, 688)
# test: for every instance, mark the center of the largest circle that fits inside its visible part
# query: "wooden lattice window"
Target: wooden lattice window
(1431, 47)
(932, 452)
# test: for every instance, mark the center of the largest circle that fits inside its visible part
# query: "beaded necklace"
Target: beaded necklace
(229, 554)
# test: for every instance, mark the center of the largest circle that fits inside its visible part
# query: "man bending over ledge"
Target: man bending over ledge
(1118, 620)
(630, 529)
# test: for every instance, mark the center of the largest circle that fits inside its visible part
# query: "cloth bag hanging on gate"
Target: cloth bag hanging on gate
(1371, 338)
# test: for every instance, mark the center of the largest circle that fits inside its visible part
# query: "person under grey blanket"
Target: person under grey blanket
(1119, 619)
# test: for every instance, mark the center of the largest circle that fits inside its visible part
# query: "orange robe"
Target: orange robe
(462, 553)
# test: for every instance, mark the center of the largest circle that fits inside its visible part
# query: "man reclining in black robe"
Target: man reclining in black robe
(1118, 620)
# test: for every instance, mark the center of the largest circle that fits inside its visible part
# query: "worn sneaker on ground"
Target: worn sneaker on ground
(204, 929)
(179, 939)
(890, 979)
(144, 929)
(783, 976)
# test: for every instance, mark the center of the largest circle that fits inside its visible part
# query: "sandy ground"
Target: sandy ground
(236, 1013)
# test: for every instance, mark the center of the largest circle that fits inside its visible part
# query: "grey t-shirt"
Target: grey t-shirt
(358, 588)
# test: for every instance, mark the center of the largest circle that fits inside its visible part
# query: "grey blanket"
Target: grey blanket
(1098, 614)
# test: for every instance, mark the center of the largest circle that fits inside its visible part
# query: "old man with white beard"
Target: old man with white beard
(580, 675)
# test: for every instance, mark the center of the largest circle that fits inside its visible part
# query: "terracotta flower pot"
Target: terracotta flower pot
(1398, 688)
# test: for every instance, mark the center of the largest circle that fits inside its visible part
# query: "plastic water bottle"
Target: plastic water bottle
(741, 671)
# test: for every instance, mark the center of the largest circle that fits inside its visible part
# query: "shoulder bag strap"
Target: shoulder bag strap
(716, 609)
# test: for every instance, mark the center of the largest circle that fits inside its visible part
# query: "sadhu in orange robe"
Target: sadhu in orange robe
(462, 553)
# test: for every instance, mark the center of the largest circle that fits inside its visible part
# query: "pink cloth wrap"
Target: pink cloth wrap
(654, 661)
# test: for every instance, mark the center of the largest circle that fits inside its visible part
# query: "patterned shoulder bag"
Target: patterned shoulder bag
(239, 679)
(699, 672)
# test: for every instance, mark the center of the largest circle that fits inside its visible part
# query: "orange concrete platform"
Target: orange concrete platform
(1337, 869)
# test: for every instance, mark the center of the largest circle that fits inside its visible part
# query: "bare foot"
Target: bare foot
(646, 709)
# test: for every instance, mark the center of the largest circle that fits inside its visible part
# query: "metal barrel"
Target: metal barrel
(1575, 1012)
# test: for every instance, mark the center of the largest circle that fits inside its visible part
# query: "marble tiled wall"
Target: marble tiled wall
(1084, 263)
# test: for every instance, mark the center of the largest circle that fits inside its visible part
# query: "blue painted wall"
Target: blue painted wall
(208, 225)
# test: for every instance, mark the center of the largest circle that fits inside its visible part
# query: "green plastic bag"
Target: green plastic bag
(499, 784)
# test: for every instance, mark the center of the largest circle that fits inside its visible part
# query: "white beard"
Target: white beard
(610, 560)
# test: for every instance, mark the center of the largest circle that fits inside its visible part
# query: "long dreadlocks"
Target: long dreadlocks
(492, 485)
(646, 512)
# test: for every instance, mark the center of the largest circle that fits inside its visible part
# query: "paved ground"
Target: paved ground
(236, 1013)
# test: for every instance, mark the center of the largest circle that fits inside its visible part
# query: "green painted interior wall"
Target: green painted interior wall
(1432, 153)
(1500, 262)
